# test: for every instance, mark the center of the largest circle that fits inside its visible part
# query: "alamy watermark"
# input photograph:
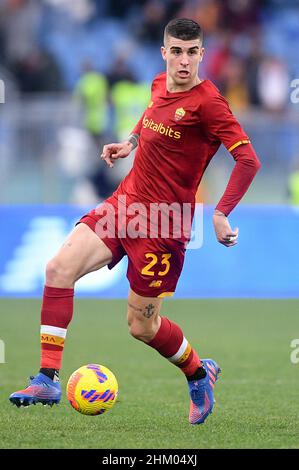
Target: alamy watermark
(2, 352)
(294, 357)
(123, 219)
(2, 92)
(295, 93)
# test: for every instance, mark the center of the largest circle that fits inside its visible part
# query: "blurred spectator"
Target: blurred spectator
(240, 15)
(217, 59)
(35, 69)
(19, 23)
(235, 87)
(151, 27)
(80, 11)
(119, 8)
(273, 84)
(120, 71)
(293, 185)
(129, 100)
(92, 91)
(38, 72)
(173, 8)
(206, 12)
(254, 60)
(75, 158)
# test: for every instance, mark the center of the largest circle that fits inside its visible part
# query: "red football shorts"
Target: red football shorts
(154, 264)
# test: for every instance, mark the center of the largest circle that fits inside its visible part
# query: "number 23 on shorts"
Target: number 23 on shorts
(148, 271)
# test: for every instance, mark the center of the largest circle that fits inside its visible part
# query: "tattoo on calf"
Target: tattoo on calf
(149, 311)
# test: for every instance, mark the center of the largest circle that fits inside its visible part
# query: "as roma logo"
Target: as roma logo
(179, 114)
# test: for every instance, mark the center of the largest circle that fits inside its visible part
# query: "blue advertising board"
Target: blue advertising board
(264, 263)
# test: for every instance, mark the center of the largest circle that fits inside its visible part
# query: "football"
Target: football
(92, 389)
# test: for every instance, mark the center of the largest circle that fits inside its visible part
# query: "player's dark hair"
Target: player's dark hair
(183, 28)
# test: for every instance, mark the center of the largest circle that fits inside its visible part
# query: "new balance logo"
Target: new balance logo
(155, 284)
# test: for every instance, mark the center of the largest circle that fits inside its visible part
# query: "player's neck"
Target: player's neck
(173, 87)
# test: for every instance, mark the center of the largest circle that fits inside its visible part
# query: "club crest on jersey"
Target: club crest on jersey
(179, 114)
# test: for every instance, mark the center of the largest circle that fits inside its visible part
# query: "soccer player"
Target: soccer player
(186, 121)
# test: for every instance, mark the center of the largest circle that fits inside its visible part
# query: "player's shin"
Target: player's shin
(56, 314)
(171, 343)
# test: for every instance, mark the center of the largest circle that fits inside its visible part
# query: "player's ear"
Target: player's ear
(202, 51)
(163, 52)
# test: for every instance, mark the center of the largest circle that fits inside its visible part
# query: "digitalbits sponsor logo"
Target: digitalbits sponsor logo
(149, 123)
(294, 357)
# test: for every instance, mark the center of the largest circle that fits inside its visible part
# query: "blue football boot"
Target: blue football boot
(201, 393)
(41, 389)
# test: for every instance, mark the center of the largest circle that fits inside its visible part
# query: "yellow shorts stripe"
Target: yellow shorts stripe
(238, 143)
(165, 294)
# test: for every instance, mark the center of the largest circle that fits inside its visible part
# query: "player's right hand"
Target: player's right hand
(225, 235)
(112, 152)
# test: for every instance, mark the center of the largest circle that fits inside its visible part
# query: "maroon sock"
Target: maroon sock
(171, 344)
(56, 314)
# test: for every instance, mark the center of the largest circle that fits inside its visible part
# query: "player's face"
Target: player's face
(182, 61)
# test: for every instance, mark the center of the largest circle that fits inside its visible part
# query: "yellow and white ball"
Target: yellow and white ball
(92, 389)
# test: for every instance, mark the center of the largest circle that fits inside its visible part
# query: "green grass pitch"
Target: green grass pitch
(257, 393)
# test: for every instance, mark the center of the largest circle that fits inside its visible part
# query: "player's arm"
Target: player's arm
(222, 125)
(112, 152)
(245, 169)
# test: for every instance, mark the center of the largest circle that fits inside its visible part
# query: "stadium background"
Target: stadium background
(76, 74)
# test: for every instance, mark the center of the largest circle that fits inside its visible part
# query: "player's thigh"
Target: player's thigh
(82, 252)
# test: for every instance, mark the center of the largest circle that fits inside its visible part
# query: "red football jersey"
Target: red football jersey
(179, 134)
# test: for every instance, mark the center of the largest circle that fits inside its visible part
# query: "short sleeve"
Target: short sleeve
(221, 125)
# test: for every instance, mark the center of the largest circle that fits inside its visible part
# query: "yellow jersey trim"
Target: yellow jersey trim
(238, 143)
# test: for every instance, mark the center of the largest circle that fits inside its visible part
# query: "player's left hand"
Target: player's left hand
(112, 152)
(224, 233)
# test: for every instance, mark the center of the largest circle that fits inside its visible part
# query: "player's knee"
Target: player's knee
(142, 331)
(137, 332)
(58, 275)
